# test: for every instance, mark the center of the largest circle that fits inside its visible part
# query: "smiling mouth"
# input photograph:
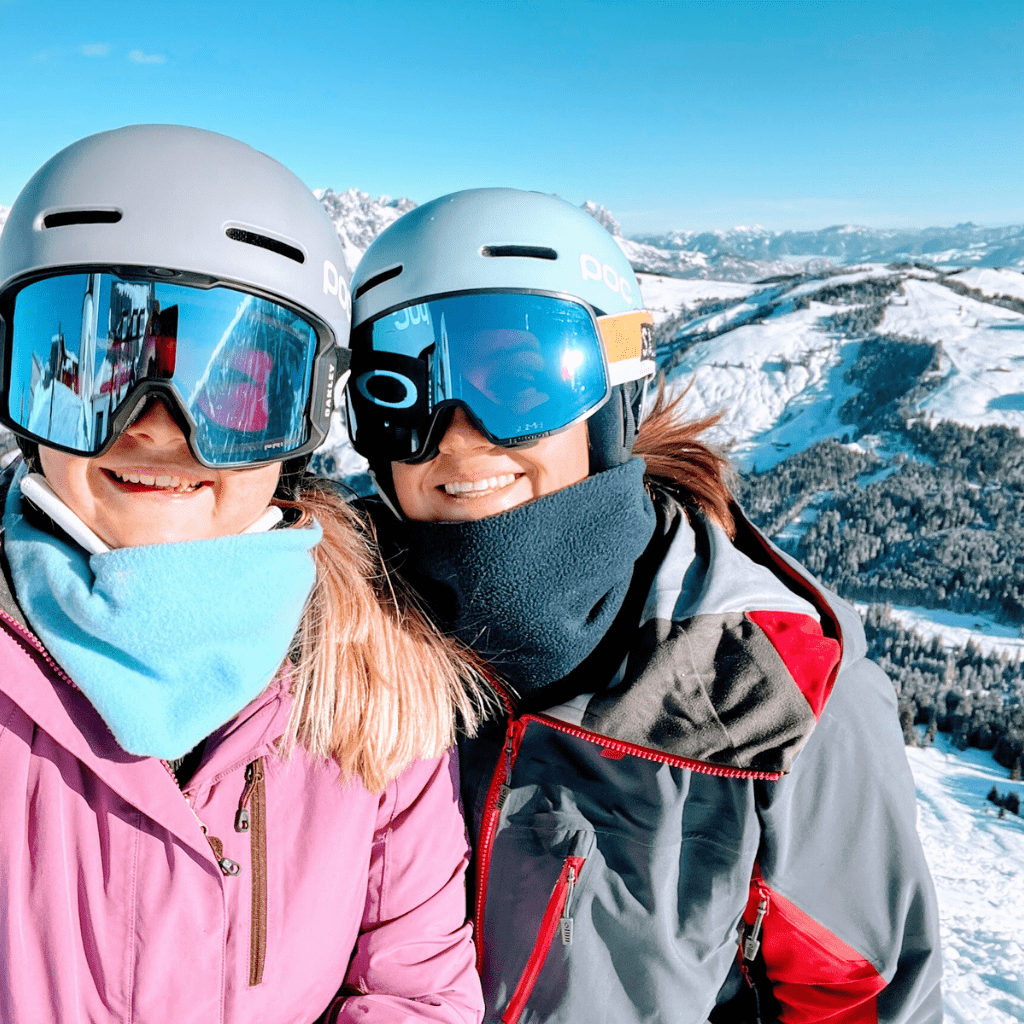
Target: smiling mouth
(479, 488)
(151, 482)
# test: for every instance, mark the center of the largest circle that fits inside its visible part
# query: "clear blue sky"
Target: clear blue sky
(672, 114)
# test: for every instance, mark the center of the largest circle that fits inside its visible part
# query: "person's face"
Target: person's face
(471, 478)
(148, 489)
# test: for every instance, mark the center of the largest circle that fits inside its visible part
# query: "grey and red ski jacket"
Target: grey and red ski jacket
(724, 829)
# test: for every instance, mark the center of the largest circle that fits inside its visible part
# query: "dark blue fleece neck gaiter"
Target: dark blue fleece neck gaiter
(533, 590)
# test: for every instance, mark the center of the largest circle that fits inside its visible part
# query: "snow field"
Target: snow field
(957, 630)
(983, 353)
(977, 864)
(779, 384)
(990, 281)
(664, 296)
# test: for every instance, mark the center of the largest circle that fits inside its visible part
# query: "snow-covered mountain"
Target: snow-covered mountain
(964, 244)
(359, 217)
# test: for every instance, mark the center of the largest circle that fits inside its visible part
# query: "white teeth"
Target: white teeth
(167, 483)
(476, 488)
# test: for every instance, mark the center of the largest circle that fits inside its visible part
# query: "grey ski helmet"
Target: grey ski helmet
(173, 203)
(506, 240)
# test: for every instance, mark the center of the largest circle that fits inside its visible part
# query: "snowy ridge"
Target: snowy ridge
(992, 283)
(964, 244)
(647, 256)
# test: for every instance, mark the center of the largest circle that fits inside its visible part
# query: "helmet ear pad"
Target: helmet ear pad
(613, 429)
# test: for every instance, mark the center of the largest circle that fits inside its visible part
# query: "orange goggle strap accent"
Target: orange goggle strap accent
(629, 345)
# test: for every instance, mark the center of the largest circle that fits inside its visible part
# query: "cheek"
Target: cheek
(249, 490)
(408, 481)
(68, 476)
(565, 460)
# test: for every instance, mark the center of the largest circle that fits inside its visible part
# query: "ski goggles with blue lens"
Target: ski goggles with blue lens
(249, 381)
(522, 365)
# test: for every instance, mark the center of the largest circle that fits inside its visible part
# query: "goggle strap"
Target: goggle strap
(628, 340)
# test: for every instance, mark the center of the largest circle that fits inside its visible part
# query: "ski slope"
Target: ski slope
(781, 377)
(983, 352)
(990, 281)
(977, 864)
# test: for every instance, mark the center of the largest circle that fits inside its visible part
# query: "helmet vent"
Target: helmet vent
(372, 282)
(263, 242)
(536, 252)
(66, 217)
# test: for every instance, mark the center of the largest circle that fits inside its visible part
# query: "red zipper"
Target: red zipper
(556, 915)
(496, 796)
(620, 747)
(500, 781)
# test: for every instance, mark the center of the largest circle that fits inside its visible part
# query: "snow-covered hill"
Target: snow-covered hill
(777, 362)
(977, 863)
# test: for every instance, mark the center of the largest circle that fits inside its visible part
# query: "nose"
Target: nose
(157, 426)
(461, 436)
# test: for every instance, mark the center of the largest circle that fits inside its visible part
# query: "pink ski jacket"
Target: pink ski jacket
(253, 896)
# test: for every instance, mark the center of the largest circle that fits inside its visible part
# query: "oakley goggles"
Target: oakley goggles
(522, 365)
(248, 380)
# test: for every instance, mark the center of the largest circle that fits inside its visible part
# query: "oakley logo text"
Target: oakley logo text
(329, 392)
(593, 270)
(387, 382)
(335, 284)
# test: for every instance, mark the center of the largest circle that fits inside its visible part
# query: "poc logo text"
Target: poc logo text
(592, 269)
(335, 284)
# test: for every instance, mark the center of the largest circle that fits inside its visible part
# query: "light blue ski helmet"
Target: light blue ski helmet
(494, 238)
(505, 240)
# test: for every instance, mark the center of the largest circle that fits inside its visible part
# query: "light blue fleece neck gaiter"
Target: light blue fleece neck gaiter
(168, 641)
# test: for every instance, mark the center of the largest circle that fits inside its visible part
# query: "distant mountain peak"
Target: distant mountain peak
(603, 216)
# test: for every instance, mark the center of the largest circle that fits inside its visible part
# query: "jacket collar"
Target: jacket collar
(37, 685)
(705, 683)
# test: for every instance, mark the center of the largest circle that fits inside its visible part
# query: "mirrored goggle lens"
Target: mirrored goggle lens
(523, 364)
(240, 365)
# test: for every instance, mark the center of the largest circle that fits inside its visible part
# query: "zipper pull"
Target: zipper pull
(565, 923)
(505, 787)
(252, 776)
(226, 864)
(751, 944)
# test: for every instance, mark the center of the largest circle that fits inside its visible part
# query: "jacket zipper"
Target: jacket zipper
(556, 918)
(501, 781)
(254, 793)
(621, 747)
(24, 636)
(750, 944)
(251, 817)
(496, 796)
